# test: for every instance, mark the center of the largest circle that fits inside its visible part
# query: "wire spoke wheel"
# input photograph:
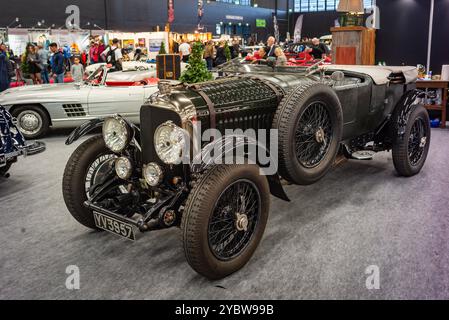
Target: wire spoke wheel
(234, 219)
(96, 172)
(313, 135)
(417, 142)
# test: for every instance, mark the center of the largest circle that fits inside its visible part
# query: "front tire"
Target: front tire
(410, 151)
(225, 218)
(81, 163)
(32, 121)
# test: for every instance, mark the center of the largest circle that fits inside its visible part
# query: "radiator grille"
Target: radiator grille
(74, 110)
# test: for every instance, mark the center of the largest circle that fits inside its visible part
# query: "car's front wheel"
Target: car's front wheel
(86, 168)
(32, 121)
(410, 151)
(225, 218)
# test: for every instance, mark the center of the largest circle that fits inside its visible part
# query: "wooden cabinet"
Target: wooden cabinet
(353, 45)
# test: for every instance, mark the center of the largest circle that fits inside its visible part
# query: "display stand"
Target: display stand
(444, 86)
(353, 45)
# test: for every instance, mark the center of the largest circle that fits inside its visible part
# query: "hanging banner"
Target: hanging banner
(200, 14)
(298, 29)
(276, 28)
(171, 10)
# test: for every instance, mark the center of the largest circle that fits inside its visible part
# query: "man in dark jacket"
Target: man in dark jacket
(4, 69)
(57, 66)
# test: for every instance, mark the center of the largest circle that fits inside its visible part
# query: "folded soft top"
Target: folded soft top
(380, 74)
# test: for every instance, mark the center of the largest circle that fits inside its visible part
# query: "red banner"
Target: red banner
(171, 10)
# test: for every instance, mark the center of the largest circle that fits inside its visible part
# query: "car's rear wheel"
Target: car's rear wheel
(88, 164)
(32, 121)
(410, 151)
(225, 218)
(309, 120)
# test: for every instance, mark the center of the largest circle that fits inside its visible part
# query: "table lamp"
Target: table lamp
(352, 13)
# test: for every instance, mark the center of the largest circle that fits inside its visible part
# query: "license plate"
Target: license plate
(114, 226)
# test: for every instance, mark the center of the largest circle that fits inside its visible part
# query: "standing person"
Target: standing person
(100, 50)
(77, 70)
(209, 53)
(175, 47)
(221, 55)
(32, 59)
(271, 47)
(10, 53)
(57, 66)
(93, 53)
(113, 55)
(138, 54)
(4, 72)
(184, 50)
(84, 57)
(43, 62)
(235, 49)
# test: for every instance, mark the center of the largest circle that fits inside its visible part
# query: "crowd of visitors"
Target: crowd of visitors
(42, 65)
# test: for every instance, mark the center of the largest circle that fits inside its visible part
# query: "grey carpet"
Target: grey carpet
(317, 246)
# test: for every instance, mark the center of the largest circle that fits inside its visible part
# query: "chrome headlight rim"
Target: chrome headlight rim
(127, 130)
(159, 174)
(157, 135)
(129, 167)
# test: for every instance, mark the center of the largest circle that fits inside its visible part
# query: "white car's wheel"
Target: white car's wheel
(32, 121)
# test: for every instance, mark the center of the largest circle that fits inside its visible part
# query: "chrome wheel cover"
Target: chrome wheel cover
(29, 122)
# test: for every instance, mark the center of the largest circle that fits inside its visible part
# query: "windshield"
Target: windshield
(96, 77)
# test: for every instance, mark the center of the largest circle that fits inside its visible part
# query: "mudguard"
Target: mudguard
(405, 107)
(84, 129)
(227, 148)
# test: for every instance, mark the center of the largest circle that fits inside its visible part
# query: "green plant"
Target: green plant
(227, 52)
(24, 65)
(196, 71)
(162, 49)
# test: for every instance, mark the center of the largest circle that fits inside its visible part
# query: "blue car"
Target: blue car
(13, 144)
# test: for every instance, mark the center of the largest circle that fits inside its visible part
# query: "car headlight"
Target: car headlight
(152, 173)
(123, 168)
(116, 133)
(169, 142)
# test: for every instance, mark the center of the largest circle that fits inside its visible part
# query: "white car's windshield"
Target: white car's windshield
(97, 76)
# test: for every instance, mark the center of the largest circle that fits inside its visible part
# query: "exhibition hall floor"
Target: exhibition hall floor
(317, 246)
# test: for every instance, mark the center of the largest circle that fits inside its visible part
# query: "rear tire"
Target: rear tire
(211, 222)
(32, 121)
(310, 124)
(74, 179)
(410, 151)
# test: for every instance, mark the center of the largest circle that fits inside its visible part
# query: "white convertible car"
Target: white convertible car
(41, 107)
